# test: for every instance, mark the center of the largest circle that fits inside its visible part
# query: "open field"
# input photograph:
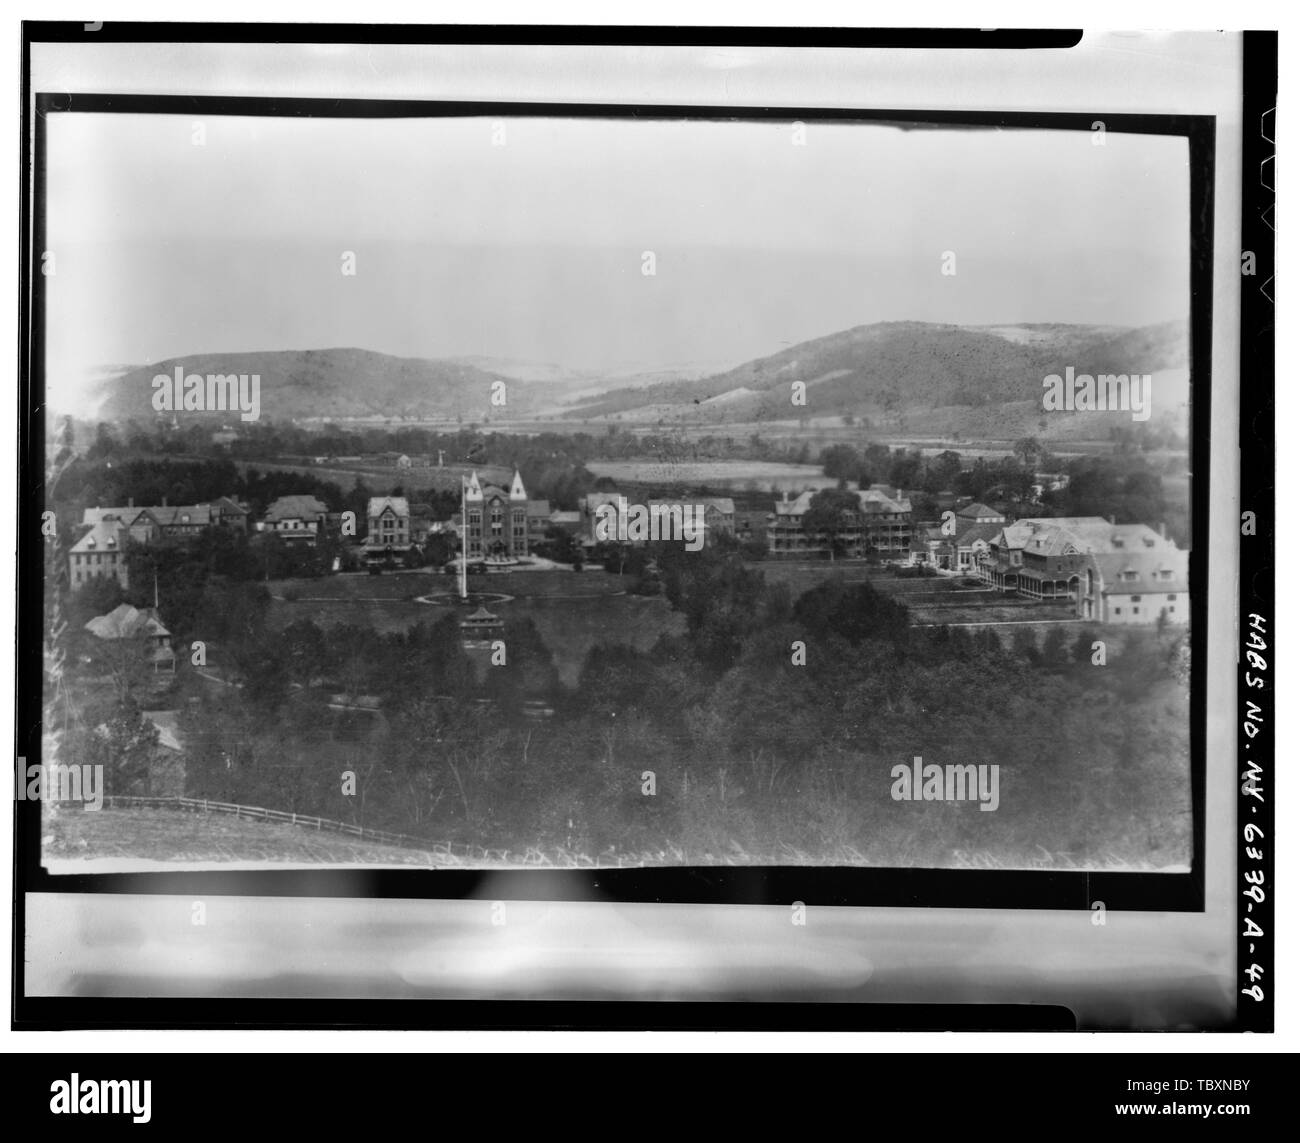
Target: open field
(383, 477)
(720, 474)
(573, 612)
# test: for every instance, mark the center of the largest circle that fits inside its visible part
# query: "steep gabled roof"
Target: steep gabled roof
(873, 501)
(126, 622)
(106, 536)
(377, 505)
(977, 510)
(125, 516)
(976, 532)
(1147, 565)
(171, 516)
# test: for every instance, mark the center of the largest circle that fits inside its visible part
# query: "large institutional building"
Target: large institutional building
(881, 523)
(500, 522)
(1115, 573)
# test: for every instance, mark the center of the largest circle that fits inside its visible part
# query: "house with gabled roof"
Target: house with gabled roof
(971, 545)
(230, 513)
(296, 519)
(125, 622)
(388, 526)
(1137, 586)
(977, 513)
(1047, 557)
(101, 552)
(147, 524)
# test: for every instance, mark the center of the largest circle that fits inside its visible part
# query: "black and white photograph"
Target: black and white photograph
(665, 516)
(569, 492)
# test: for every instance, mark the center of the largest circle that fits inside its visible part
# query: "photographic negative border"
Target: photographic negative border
(1256, 749)
(838, 885)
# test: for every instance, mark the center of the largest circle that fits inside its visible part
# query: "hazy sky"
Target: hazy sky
(533, 249)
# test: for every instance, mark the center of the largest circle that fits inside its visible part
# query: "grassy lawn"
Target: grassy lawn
(137, 836)
(572, 611)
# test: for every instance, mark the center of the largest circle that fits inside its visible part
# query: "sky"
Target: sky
(526, 238)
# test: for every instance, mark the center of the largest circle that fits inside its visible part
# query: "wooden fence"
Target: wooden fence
(307, 821)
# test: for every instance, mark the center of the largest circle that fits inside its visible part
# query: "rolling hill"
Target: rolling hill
(339, 383)
(928, 374)
(948, 380)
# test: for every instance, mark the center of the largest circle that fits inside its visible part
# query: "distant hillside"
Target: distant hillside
(915, 370)
(913, 376)
(339, 383)
(522, 370)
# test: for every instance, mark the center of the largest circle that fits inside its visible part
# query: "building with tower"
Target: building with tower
(496, 519)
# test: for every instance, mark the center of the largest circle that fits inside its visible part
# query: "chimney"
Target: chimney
(130, 501)
(164, 503)
(1112, 521)
(1162, 530)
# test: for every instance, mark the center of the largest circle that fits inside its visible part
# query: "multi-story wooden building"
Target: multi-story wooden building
(1135, 587)
(100, 552)
(1115, 573)
(881, 523)
(388, 526)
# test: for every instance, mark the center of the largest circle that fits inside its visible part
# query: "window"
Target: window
(1136, 610)
(1172, 598)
